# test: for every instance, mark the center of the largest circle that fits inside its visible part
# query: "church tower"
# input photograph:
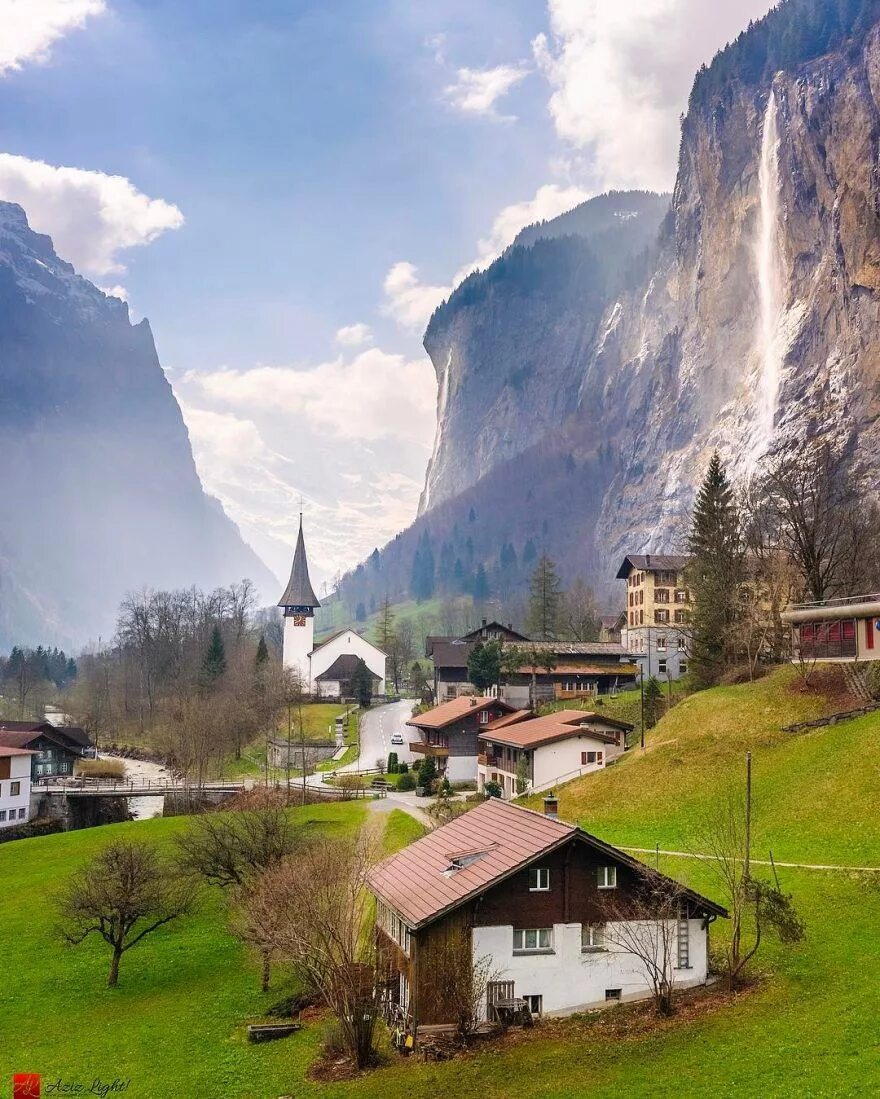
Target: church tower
(298, 604)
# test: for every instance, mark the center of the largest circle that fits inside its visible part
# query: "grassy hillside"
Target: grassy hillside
(808, 1028)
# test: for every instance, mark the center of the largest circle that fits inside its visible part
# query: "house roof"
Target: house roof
(609, 621)
(6, 752)
(508, 719)
(299, 591)
(421, 885)
(559, 726)
(454, 654)
(579, 669)
(341, 633)
(652, 562)
(416, 882)
(343, 667)
(455, 710)
(450, 654)
(63, 732)
(20, 738)
(508, 630)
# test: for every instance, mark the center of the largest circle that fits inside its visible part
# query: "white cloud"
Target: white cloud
(354, 335)
(476, 91)
(30, 27)
(411, 302)
(621, 71)
(91, 217)
(374, 396)
(407, 299)
(114, 292)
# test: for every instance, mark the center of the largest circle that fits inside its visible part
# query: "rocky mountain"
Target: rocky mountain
(100, 493)
(579, 404)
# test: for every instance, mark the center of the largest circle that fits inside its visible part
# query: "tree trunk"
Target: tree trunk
(267, 966)
(113, 979)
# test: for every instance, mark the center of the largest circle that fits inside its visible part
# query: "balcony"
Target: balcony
(439, 751)
(485, 760)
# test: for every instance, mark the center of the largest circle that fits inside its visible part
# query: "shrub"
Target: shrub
(333, 1040)
(403, 768)
(493, 789)
(406, 781)
(392, 763)
(101, 768)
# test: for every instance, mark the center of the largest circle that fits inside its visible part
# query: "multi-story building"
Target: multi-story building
(658, 603)
(15, 785)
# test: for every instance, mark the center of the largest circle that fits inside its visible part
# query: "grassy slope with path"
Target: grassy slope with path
(808, 1029)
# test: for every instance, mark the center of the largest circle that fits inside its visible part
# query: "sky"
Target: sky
(287, 189)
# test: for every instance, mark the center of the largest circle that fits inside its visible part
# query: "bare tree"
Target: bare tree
(462, 983)
(318, 915)
(123, 894)
(818, 506)
(644, 924)
(234, 848)
(579, 615)
(753, 905)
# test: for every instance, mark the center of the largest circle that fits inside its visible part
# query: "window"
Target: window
(607, 877)
(532, 940)
(661, 595)
(592, 937)
(539, 879)
(681, 596)
(681, 617)
(393, 926)
(661, 617)
(484, 717)
(535, 1003)
(828, 639)
(612, 993)
(587, 758)
(21, 814)
(661, 667)
(682, 644)
(683, 667)
(2, 815)
(14, 789)
(661, 643)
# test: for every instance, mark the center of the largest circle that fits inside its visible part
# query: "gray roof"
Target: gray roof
(652, 562)
(299, 591)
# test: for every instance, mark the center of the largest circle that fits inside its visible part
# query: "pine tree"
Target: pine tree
(214, 664)
(362, 684)
(545, 595)
(262, 656)
(653, 702)
(716, 573)
(481, 584)
(360, 612)
(484, 664)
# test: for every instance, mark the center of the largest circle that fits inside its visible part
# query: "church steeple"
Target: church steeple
(299, 595)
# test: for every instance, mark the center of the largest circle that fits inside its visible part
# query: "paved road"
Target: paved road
(377, 726)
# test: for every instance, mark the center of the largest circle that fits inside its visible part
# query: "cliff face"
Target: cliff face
(753, 326)
(100, 494)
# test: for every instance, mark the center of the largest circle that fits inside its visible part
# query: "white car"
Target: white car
(397, 738)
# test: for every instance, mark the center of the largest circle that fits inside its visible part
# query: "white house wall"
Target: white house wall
(569, 979)
(461, 768)
(561, 760)
(346, 644)
(20, 771)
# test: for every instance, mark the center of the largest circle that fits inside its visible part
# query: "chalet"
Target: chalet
(555, 671)
(658, 606)
(450, 656)
(545, 905)
(611, 627)
(535, 754)
(449, 733)
(839, 631)
(15, 786)
(55, 748)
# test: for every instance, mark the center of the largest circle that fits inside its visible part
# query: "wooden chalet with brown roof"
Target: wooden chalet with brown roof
(55, 748)
(449, 733)
(537, 753)
(540, 902)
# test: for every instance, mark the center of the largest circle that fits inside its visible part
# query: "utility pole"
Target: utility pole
(748, 851)
(642, 686)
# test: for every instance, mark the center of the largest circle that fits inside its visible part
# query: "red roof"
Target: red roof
(508, 719)
(558, 726)
(420, 883)
(4, 751)
(493, 841)
(455, 710)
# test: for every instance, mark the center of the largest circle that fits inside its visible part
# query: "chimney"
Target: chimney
(510, 626)
(485, 621)
(551, 807)
(473, 702)
(647, 560)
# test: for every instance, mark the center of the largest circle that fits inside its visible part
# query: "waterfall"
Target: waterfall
(770, 284)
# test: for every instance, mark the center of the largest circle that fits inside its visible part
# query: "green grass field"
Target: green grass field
(808, 1028)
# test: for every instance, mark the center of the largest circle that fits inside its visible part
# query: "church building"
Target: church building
(321, 667)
